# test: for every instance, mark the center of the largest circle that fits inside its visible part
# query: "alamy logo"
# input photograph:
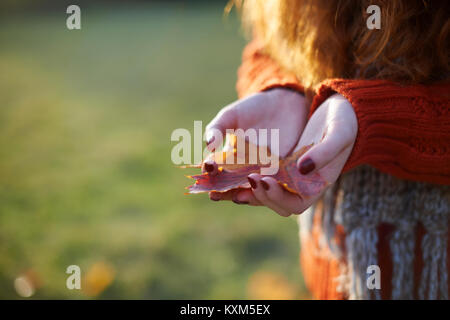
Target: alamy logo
(181, 152)
(73, 22)
(374, 277)
(374, 20)
(74, 280)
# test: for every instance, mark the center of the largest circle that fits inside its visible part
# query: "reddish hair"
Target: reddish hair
(319, 39)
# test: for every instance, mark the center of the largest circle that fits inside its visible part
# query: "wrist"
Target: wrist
(287, 96)
(284, 89)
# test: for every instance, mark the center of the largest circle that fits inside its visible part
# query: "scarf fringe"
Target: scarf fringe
(434, 280)
(364, 198)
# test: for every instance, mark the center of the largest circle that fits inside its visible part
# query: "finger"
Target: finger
(274, 192)
(246, 196)
(259, 192)
(238, 196)
(218, 196)
(337, 139)
(225, 119)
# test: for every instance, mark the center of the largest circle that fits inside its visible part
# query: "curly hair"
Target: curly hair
(319, 39)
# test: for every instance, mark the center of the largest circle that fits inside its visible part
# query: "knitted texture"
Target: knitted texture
(399, 225)
(258, 72)
(402, 130)
(384, 217)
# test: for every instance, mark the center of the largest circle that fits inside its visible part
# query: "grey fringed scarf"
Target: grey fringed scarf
(361, 200)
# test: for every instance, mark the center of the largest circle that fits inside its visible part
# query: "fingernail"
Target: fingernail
(252, 183)
(265, 185)
(209, 167)
(306, 166)
(210, 140)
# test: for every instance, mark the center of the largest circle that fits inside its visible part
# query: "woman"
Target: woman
(376, 103)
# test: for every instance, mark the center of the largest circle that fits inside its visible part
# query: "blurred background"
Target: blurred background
(85, 171)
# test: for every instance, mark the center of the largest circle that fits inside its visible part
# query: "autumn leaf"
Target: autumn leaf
(234, 175)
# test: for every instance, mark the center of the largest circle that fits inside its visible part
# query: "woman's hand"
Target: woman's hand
(278, 108)
(332, 128)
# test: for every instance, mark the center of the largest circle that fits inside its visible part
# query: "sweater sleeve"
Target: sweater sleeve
(402, 130)
(258, 72)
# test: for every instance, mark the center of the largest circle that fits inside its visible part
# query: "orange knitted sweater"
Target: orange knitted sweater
(403, 131)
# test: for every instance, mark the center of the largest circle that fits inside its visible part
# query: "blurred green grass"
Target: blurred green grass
(85, 169)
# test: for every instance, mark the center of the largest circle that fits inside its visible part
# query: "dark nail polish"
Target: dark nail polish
(209, 167)
(307, 166)
(252, 183)
(265, 185)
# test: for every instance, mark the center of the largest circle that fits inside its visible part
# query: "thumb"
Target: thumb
(335, 141)
(216, 129)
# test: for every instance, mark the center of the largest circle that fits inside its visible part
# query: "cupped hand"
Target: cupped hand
(278, 108)
(333, 129)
